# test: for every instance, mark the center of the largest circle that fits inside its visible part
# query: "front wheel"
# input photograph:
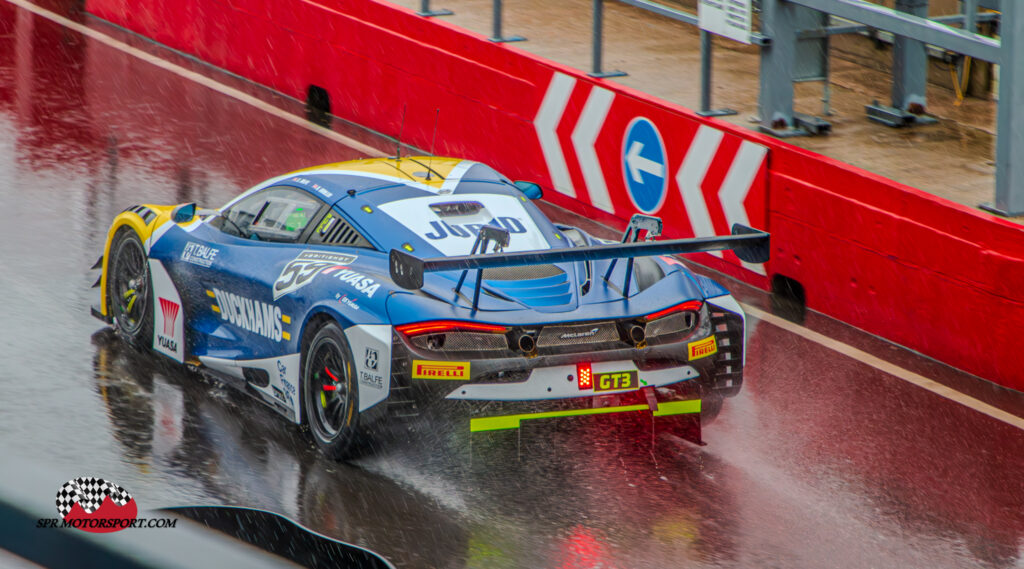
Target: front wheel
(330, 398)
(129, 292)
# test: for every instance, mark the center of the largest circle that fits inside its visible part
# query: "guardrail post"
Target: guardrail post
(775, 98)
(496, 35)
(1010, 122)
(909, 76)
(598, 41)
(705, 80)
(426, 12)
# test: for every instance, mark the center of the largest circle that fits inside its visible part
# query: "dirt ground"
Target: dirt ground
(953, 159)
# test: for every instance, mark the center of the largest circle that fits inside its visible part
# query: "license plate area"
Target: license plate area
(616, 381)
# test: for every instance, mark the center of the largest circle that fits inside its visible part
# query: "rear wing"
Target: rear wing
(750, 245)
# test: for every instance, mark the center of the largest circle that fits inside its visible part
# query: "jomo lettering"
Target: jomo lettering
(251, 315)
(443, 229)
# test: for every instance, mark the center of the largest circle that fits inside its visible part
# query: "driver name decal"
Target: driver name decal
(248, 314)
(301, 270)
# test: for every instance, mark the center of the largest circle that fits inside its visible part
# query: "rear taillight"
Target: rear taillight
(691, 305)
(584, 377)
(442, 326)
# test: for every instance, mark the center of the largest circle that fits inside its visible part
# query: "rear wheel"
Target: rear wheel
(330, 399)
(129, 292)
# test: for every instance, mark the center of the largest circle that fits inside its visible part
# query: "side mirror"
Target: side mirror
(530, 189)
(183, 213)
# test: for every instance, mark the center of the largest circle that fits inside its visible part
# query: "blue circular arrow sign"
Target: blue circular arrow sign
(643, 165)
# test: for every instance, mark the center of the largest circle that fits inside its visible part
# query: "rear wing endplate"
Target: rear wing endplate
(750, 245)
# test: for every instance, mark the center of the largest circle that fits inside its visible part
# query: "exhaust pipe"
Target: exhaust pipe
(527, 344)
(637, 334)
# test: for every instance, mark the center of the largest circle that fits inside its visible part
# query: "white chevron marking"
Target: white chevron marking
(691, 175)
(583, 138)
(550, 114)
(736, 186)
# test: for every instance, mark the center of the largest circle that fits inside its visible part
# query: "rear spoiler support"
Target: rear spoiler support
(750, 245)
(488, 234)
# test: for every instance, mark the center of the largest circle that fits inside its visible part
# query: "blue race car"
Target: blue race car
(347, 293)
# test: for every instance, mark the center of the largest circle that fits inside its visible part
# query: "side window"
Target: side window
(334, 230)
(274, 214)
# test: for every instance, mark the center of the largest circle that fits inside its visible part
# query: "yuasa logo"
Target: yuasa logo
(96, 505)
(170, 310)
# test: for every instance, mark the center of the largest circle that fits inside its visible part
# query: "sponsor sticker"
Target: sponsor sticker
(373, 380)
(371, 358)
(199, 254)
(702, 348)
(170, 310)
(440, 370)
(359, 281)
(349, 302)
(250, 315)
(301, 270)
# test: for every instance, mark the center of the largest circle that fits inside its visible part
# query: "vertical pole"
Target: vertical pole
(597, 36)
(496, 25)
(909, 64)
(496, 20)
(705, 79)
(970, 9)
(1010, 121)
(597, 47)
(776, 80)
(426, 12)
(705, 71)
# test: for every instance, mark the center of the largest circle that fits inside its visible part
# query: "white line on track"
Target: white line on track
(832, 344)
(199, 78)
(886, 367)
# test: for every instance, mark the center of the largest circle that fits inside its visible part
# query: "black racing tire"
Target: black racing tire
(332, 415)
(130, 289)
(710, 407)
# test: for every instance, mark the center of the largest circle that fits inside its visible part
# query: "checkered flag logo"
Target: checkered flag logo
(89, 493)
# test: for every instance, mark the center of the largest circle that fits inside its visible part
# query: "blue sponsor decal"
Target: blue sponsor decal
(443, 229)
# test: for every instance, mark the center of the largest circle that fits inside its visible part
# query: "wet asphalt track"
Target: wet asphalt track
(822, 461)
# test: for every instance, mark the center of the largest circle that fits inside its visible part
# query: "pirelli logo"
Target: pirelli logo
(702, 348)
(440, 370)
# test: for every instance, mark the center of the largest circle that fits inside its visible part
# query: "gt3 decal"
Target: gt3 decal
(702, 348)
(303, 269)
(251, 315)
(440, 370)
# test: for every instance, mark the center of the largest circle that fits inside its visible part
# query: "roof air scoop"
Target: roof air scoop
(456, 209)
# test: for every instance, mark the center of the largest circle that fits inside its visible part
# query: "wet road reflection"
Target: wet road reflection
(820, 462)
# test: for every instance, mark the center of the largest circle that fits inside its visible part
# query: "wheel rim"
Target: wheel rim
(130, 295)
(329, 389)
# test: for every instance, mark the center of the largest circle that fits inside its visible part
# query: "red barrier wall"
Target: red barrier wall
(923, 272)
